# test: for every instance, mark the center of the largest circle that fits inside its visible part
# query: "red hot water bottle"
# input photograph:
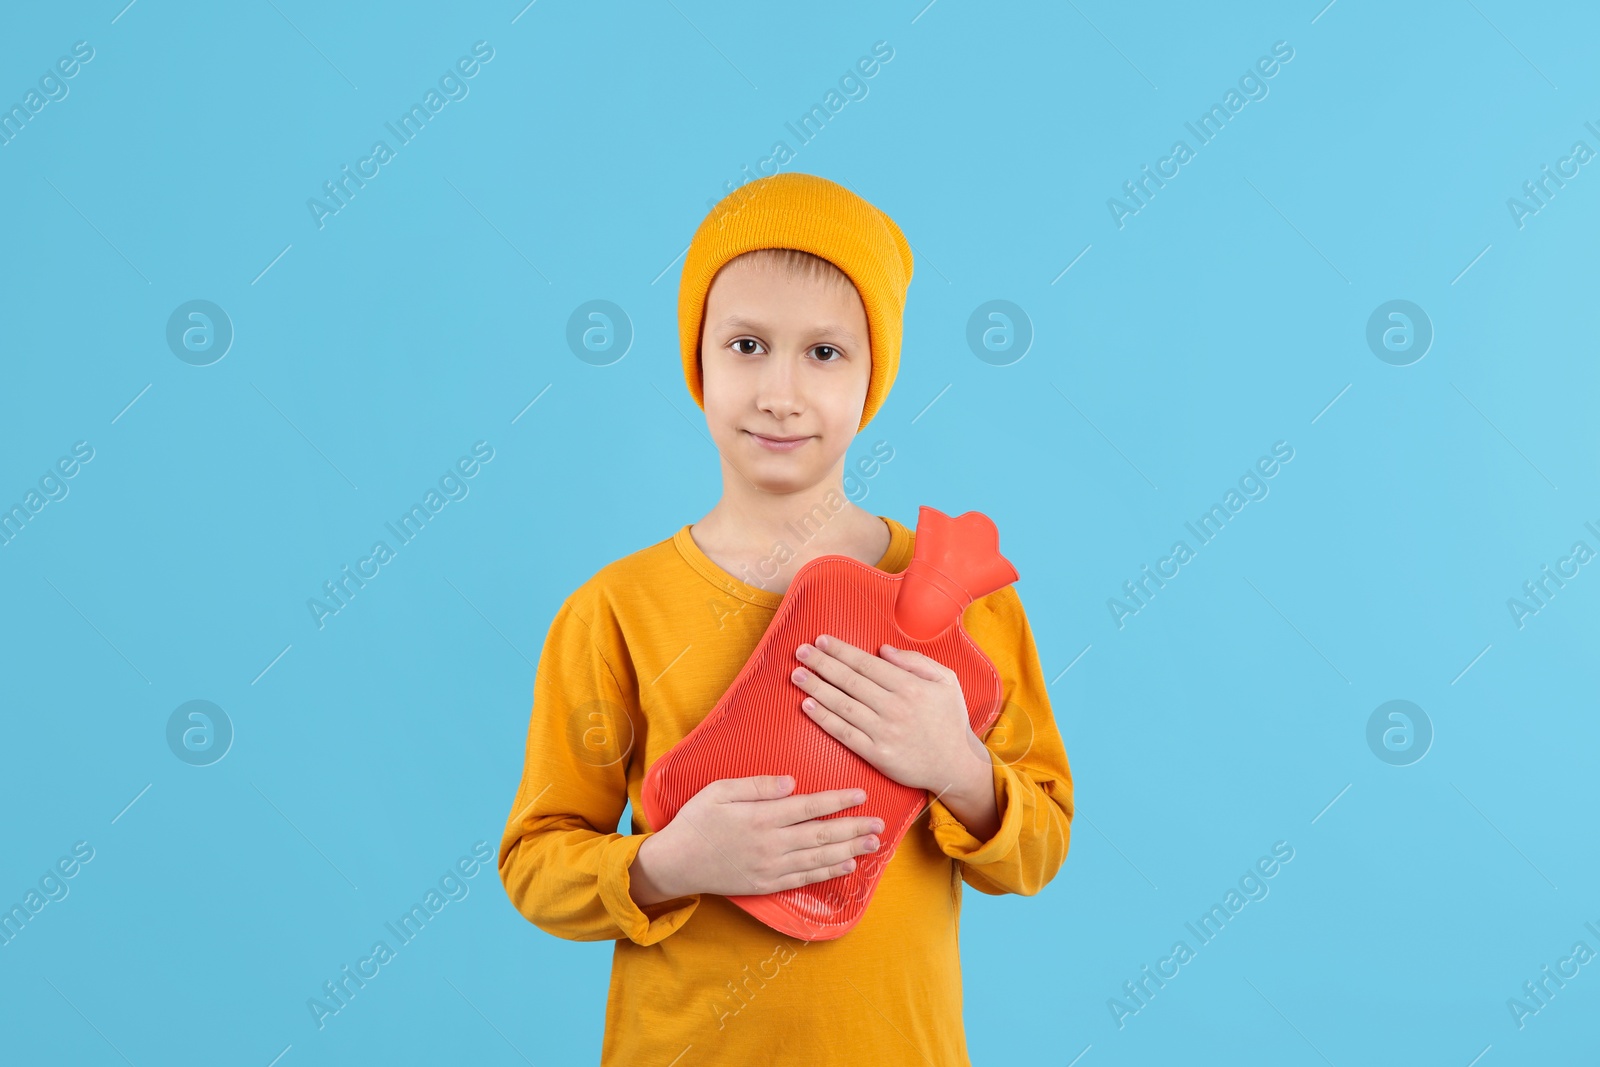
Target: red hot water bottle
(758, 727)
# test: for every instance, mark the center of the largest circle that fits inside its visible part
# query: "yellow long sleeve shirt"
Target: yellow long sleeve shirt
(634, 659)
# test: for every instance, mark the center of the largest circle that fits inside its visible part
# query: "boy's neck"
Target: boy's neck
(738, 534)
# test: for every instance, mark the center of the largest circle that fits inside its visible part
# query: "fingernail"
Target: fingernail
(822, 641)
(872, 846)
(860, 796)
(800, 674)
(803, 651)
(877, 826)
(849, 865)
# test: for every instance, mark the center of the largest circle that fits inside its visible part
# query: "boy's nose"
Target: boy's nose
(777, 385)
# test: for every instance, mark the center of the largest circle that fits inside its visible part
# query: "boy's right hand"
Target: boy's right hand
(750, 837)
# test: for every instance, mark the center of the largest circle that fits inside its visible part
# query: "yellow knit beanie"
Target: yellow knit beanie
(813, 214)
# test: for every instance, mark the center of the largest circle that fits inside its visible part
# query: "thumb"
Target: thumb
(757, 787)
(922, 666)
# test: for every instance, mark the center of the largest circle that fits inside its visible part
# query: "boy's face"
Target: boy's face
(783, 356)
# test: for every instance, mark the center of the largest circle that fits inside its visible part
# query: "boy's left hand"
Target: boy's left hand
(902, 712)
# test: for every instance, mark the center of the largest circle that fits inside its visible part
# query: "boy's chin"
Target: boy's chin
(780, 483)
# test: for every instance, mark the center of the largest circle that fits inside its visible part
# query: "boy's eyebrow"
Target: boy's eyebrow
(737, 322)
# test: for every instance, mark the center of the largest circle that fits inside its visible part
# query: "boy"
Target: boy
(789, 310)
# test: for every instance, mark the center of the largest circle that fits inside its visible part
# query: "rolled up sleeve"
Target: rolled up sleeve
(1032, 780)
(563, 864)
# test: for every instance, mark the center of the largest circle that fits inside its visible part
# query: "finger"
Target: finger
(840, 677)
(821, 874)
(920, 665)
(847, 721)
(786, 811)
(754, 787)
(856, 711)
(826, 856)
(856, 832)
(880, 672)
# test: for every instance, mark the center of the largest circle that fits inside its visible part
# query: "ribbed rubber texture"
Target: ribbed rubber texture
(758, 727)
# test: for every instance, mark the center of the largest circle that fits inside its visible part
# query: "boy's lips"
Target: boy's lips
(778, 444)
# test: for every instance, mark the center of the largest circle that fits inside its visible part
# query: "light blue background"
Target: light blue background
(370, 354)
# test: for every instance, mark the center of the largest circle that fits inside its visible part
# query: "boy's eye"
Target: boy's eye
(825, 353)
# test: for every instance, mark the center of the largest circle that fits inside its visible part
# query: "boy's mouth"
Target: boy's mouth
(778, 444)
